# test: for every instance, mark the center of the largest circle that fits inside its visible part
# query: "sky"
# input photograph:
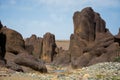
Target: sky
(55, 16)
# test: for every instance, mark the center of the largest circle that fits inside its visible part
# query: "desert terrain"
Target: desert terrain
(92, 53)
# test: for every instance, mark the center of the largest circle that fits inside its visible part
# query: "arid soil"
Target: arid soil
(63, 43)
(100, 71)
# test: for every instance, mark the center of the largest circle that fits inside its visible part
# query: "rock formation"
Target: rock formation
(49, 46)
(43, 48)
(14, 41)
(91, 42)
(11, 42)
(31, 61)
(34, 45)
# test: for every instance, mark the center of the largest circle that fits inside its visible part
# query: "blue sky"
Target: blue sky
(55, 16)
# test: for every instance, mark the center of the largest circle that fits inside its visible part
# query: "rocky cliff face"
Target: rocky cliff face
(91, 42)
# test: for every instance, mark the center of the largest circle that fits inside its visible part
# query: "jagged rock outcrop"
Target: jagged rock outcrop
(87, 24)
(12, 42)
(84, 25)
(49, 47)
(91, 39)
(34, 45)
(43, 48)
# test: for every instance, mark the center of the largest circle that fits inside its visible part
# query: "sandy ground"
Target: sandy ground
(100, 71)
(63, 43)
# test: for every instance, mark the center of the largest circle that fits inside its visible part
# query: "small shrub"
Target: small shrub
(100, 76)
(117, 59)
(115, 78)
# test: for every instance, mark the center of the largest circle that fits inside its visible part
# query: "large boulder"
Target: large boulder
(49, 47)
(14, 41)
(31, 61)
